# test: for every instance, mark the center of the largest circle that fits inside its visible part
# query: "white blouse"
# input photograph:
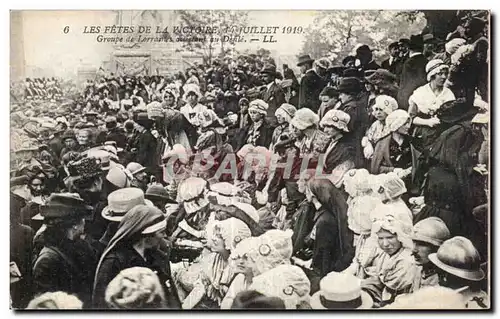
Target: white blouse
(427, 102)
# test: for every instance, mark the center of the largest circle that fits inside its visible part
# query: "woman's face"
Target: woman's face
(440, 78)
(69, 143)
(192, 99)
(241, 265)
(378, 113)
(153, 241)
(421, 252)
(302, 184)
(330, 130)
(83, 137)
(45, 160)
(295, 132)
(255, 116)
(280, 119)
(26, 156)
(405, 128)
(169, 99)
(217, 243)
(388, 242)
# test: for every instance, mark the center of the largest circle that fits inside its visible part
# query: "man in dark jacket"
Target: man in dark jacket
(413, 74)
(393, 64)
(313, 82)
(273, 95)
(294, 88)
(146, 144)
(352, 103)
(113, 133)
(365, 56)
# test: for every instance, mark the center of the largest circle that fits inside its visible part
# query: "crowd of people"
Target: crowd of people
(235, 186)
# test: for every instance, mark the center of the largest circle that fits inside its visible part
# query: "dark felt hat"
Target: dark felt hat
(348, 59)
(363, 48)
(381, 76)
(393, 45)
(303, 59)
(157, 192)
(269, 69)
(68, 134)
(353, 73)
(65, 206)
(350, 85)
(337, 69)
(329, 91)
(404, 41)
(416, 42)
(251, 299)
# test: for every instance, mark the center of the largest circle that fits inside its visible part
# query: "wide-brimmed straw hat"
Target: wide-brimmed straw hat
(121, 201)
(340, 291)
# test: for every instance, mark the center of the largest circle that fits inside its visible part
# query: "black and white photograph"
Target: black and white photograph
(224, 160)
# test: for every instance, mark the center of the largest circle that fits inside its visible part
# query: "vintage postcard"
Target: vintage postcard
(218, 159)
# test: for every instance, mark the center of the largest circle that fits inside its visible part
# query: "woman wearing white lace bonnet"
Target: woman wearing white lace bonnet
(55, 300)
(134, 288)
(256, 255)
(287, 282)
(191, 192)
(389, 188)
(394, 262)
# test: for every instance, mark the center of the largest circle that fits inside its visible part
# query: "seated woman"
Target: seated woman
(424, 104)
(382, 107)
(393, 262)
(211, 141)
(392, 152)
(332, 250)
(257, 132)
(284, 115)
(390, 189)
(287, 282)
(427, 99)
(208, 290)
(361, 203)
(136, 244)
(255, 256)
(339, 155)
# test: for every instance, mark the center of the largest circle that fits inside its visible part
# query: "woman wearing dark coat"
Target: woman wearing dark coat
(452, 188)
(136, 244)
(66, 262)
(332, 249)
(258, 132)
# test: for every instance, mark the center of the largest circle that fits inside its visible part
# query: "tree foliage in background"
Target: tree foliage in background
(442, 22)
(222, 19)
(336, 33)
